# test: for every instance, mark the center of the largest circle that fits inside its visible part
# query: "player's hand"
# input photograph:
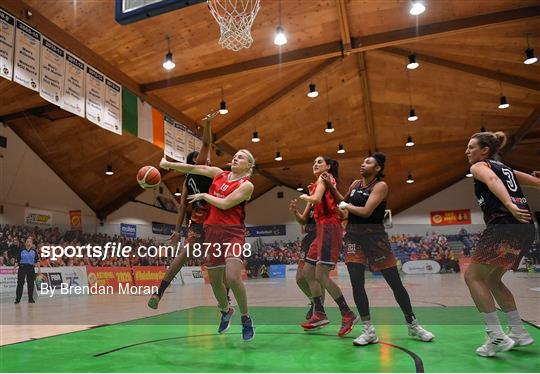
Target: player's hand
(326, 179)
(522, 215)
(164, 164)
(536, 174)
(195, 197)
(292, 205)
(304, 197)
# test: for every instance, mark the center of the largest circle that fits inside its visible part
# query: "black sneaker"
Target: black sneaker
(31, 301)
(310, 311)
(226, 319)
(248, 331)
(17, 301)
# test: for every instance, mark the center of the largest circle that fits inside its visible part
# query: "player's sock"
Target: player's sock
(342, 304)
(162, 287)
(410, 317)
(492, 323)
(317, 302)
(514, 321)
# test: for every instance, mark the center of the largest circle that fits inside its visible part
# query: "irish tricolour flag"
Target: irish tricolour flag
(141, 119)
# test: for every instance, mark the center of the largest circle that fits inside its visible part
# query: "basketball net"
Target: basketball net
(235, 18)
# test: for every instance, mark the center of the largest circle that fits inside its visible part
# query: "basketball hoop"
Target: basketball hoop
(235, 18)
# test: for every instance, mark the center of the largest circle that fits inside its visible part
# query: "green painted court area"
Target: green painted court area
(187, 341)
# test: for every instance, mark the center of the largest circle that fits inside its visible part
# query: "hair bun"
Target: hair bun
(380, 157)
(501, 137)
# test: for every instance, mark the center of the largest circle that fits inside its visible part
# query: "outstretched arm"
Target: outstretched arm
(300, 218)
(528, 180)
(483, 173)
(243, 193)
(206, 142)
(207, 171)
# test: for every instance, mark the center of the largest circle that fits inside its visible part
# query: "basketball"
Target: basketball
(148, 177)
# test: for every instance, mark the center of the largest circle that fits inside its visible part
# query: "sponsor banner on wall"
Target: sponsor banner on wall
(270, 230)
(53, 277)
(451, 217)
(75, 220)
(148, 275)
(112, 111)
(160, 228)
(7, 44)
(109, 276)
(291, 270)
(128, 231)
(74, 88)
(191, 275)
(26, 60)
(8, 280)
(277, 271)
(95, 95)
(421, 267)
(36, 217)
(52, 63)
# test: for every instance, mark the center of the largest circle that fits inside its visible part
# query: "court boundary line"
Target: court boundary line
(418, 363)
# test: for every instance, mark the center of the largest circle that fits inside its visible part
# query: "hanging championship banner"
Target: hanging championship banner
(75, 220)
(170, 137)
(26, 61)
(73, 98)
(7, 42)
(112, 117)
(52, 72)
(190, 142)
(180, 144)
(95, 95)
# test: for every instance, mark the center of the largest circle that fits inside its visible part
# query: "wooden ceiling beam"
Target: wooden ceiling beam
(530, 123)
(344, 27)
(45, 26)
(441, 29)
(475, 70)
(359, 44)
(274, 98)
(365, 153)
(366, 99)
(34, 112)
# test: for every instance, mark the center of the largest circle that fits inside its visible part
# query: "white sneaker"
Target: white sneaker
(521, 338)
(368, 336)
(416, 330)
(495, 343)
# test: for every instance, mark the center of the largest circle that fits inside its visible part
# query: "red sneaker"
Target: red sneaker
(318, 319)
(348, 320)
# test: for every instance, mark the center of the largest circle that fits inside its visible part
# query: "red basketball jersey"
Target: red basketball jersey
(221, 187)
(327, 207)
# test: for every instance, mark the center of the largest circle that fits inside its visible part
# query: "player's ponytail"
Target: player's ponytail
(380, 158)
(334, 167)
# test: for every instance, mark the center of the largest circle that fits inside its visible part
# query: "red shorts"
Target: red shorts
(371, 250)
(504, 243)
(326, 247)
(223, 242)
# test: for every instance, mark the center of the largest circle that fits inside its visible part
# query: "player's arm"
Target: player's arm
(206, 142)
(243, 193)
(377, 196)
(317, 195)
(207, 171)
(301, 218)
(483, 173)
(527, 180)
(333, 189)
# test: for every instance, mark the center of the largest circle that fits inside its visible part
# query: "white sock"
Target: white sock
(514, 321)
(367, 324)
(492, 323)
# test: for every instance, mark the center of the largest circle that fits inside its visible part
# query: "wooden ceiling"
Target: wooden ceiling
(354, 50)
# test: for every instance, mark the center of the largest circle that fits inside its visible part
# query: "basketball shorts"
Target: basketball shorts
(224, 242)
(326, 247)
(306, 243)
(371, 250)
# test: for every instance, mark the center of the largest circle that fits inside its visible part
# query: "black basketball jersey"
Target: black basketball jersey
(359, 197)
(198, 184)
(491, 206)
(310, 224)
